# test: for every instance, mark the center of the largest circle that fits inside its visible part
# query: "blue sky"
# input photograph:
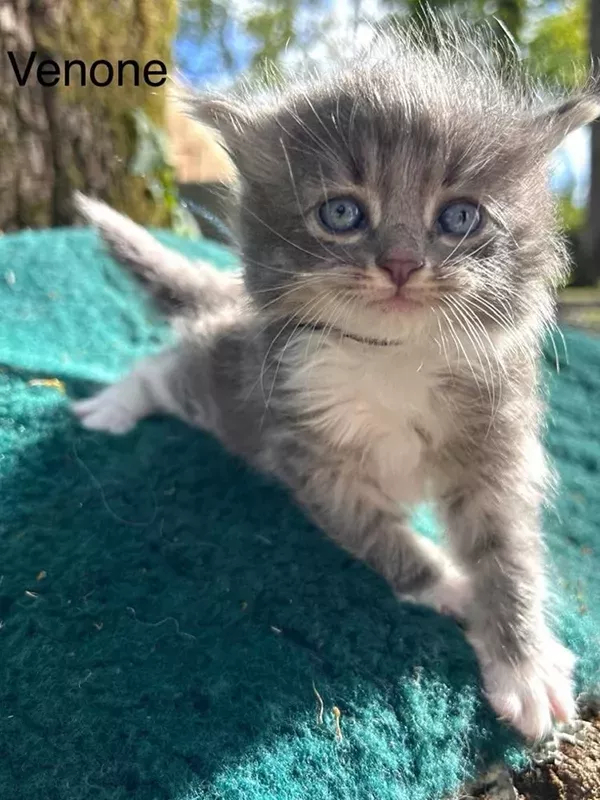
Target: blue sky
(201, 61)
(573, 166)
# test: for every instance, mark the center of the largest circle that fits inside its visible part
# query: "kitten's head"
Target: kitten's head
(405, 190)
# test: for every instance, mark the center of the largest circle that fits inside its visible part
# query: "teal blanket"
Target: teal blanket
(173, 628)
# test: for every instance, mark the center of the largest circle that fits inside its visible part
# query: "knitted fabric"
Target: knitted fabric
(172, 627)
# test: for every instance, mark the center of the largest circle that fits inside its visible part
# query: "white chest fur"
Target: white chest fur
(376, 402)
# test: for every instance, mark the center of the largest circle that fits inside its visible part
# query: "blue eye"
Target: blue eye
(342, 214)
(461, 218)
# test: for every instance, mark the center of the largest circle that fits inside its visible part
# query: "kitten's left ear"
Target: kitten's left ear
(556, 123)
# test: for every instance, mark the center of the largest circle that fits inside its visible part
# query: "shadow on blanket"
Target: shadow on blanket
(169, 619)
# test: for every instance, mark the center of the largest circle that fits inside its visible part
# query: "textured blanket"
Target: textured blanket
(171, 627)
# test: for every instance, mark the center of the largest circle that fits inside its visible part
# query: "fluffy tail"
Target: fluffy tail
(180, 287)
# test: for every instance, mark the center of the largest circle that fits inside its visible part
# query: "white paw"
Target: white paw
(449, 596)
(112, 410)
(534, 695)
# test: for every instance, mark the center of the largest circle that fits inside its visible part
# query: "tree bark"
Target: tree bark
(588, 270)
(59, 139)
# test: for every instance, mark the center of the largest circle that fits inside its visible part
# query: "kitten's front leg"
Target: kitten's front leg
(174, 381)
(493, 521)
(354, 512)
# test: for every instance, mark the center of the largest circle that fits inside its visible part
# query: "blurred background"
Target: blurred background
(133, 147)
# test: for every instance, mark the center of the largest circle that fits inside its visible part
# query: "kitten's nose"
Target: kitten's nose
(400, 264)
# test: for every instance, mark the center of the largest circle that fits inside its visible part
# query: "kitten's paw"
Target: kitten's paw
(110, 410)
(449, 596)
(534, 695)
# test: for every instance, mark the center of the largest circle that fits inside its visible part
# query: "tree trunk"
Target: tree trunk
(55, 140)
(588, 271)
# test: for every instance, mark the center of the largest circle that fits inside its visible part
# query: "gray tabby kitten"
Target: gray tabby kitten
(400, 259)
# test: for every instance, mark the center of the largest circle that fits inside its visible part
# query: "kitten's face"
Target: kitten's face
(388, 206)
(382, 222)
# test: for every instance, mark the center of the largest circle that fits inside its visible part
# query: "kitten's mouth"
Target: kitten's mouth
(398, 302)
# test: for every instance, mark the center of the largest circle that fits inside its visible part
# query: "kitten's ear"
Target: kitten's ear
(557, 122)
(230, 120)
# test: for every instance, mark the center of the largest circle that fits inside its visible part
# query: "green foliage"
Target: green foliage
(572, 217)
(559, 50)
(556, 44)
(572, 220)
(150, 162)
(274, 30)
(511, 13)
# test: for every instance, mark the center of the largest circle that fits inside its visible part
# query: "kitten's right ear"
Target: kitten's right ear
(230, 120)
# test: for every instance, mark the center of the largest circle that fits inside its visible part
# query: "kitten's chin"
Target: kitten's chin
(397, 303)
(392, 317)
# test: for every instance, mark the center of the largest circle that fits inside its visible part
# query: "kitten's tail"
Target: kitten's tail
(179, 286)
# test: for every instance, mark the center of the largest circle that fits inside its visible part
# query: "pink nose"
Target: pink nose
(400, 264)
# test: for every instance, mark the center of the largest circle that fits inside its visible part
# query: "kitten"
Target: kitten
(400, 259)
